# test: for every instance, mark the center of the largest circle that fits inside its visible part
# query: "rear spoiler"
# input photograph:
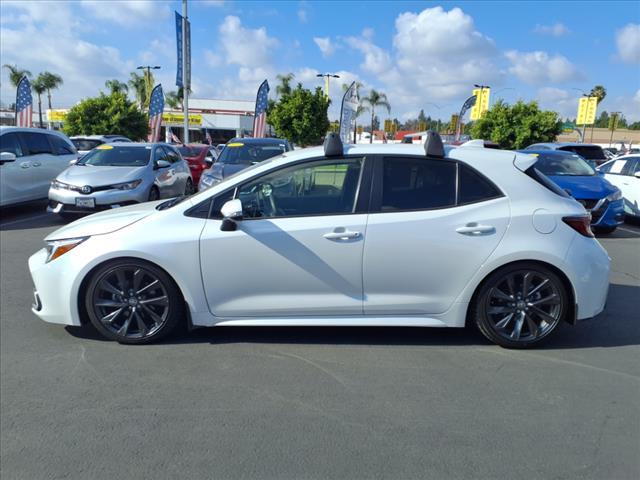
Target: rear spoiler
(523, 161)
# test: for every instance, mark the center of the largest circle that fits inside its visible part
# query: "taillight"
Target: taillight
(581, 224)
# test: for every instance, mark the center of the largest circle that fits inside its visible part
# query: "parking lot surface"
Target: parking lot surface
(316, 402)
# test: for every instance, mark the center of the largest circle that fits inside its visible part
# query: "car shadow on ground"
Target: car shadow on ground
(28, 216)
(617, 326)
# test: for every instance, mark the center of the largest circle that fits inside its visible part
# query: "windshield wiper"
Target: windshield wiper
(171, 203)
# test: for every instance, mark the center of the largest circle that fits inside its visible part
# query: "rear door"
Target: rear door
(433, 222)
(43, 163)
(16, 180)
(165, 177)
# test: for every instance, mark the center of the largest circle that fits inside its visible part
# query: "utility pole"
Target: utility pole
(327, 76)
(186, 80)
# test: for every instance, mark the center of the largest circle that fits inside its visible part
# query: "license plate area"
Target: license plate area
(86, 202)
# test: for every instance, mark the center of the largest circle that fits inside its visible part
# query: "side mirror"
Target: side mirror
(74, 161)
(7, 157)
(637, 174)
(161, 164)
(232, 212)
(209, 159)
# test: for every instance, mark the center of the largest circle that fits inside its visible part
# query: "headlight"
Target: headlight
(208, 180)
(57, 248)
(617, 195)
(126, 185)
(59, 185)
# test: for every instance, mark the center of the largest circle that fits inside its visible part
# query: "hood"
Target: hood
(105, 222)
(224, 170)
(80, 175)
(584, 187)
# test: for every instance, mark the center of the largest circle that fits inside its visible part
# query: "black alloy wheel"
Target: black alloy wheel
(520, 305)
(132, 301)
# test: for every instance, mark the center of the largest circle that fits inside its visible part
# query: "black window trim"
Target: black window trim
(25, 143)
(362, 196)
(51, 136)
(376, 190)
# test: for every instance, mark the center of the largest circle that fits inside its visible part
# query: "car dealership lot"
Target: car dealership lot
(314, 402)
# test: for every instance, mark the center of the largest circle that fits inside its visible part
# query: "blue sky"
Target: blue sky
(423, 55)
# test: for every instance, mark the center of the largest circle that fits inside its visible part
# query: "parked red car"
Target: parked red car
(200, 157)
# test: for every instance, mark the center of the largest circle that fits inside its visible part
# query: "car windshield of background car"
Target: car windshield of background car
(249, 153)
(86, 143)
(108, 156)
(191, 151)
(568, 165)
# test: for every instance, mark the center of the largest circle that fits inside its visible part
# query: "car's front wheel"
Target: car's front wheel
(520, 305)
(132, 301)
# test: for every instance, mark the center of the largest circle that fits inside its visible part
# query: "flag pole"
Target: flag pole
(185, 86)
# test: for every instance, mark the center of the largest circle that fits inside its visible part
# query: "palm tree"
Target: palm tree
(116, 86)
(39, 87)
(139, 86)
(285, 84)
(16, 74)
(376, 99)
(51, 82)
(359, 111)
(174, 99)
(600, 92)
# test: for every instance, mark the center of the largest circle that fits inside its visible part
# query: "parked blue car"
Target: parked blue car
(574, 175)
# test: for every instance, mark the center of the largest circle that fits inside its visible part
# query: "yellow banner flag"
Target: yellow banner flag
(482, 102)
(587, 107)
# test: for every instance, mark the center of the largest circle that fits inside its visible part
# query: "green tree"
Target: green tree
(284, 88)
(517, 126)
(107, 114)
(116, 86)
(16, 74)
(39, 87)
(51, 82)
(142, 85)
(602, 121)
(376, 99)
(634, 126)
(174, 99)
(300, 116)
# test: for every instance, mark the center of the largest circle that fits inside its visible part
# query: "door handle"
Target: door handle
(341, 235)
(25, 165)
(475, 230)
(36, 164)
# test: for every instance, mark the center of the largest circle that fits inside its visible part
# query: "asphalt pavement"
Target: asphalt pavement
(293, 403)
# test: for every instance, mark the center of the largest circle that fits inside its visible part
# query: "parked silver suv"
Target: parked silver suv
(118, 174)
(30, 158)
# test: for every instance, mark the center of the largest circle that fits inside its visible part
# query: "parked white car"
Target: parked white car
(624, 173)
(350, 235)
(30, 158)
(85, 143)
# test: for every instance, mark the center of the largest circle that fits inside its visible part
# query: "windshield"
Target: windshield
(191, 151)
(567, 164)
(85, 143)
(238, 152)
(590, 152)
(108, 156)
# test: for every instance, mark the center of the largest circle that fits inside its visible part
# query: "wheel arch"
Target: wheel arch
(572, 313)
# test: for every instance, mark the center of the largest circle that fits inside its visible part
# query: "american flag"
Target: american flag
(208, 137)
(260, 119)
(24, 104)
(156, 106)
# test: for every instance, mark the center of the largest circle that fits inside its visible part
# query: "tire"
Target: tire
(154, 194)
(604, 230)
(513, 322)
(133, 302)
(188, 189)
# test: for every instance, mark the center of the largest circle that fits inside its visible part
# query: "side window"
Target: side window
(473, 187)
(36, 143)
(11, 143)
(60, 147)
(629, 167)
(617, 167)
(325, 187)
(172, 155)
(160, 153)
(417, 184)
(635, 169)
(606, 168)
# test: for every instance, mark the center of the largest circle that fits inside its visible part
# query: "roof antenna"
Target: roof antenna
(332, 145)
(433, 146)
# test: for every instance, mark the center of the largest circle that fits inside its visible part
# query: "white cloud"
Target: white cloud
(127, 12)
(325, 46)
(303, 15)
(628, 42)
(368, 33)
(212, 58)
(376, 60)
(558, 100)
(536, 68)
(245, 46)
(556, 30)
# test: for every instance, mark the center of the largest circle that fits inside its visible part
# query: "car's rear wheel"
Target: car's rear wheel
(154, 194)
(520, 305)
(132, 301)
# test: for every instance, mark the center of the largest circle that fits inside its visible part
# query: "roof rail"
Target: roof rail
(332, 145)
(433, 146)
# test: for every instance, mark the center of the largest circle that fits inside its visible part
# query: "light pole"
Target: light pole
(327, 76)
(584, 125)
(147, 80)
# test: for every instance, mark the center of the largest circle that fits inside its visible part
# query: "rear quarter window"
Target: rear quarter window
(474, 187)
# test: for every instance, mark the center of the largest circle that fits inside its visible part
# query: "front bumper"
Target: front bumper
(65, 200)
(607, 214)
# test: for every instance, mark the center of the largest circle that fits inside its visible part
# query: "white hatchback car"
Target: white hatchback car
(354, 235)
(624, 173)
(30, 158)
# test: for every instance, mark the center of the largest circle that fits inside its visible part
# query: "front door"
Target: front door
(298, 250)
(425, 237)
